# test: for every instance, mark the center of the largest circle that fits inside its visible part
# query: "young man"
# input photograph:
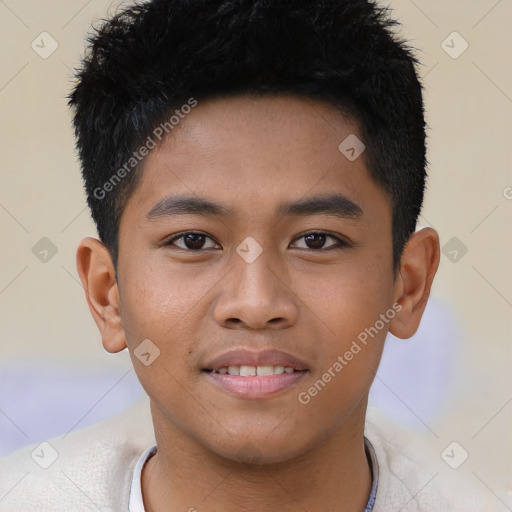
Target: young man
(255, 170)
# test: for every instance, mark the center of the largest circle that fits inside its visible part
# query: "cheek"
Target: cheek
(157, 299)
(355, 308)
(348, 297)
(352, 340)
(159, 306)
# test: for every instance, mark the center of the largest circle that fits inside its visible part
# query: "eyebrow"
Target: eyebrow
(335, 205)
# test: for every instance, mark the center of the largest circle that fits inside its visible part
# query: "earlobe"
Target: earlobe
(418, 266)
(97, 274)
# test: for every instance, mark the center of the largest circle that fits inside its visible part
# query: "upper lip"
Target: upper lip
(268, 357)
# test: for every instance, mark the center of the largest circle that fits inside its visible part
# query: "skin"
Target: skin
(310, 299)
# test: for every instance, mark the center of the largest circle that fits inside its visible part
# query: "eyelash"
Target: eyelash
(341, 243)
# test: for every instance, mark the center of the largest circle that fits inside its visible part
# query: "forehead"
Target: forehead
(256, 154)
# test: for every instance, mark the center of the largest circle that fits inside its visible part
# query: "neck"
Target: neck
(184, 476)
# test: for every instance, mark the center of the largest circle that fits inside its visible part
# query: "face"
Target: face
(253, 245)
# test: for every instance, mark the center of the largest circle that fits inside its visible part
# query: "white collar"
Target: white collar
(136, 503)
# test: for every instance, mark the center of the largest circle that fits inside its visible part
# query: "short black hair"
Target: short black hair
(152, 58)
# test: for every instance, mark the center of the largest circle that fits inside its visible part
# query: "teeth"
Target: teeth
(251, 371)
(247, 371)
(265, 370)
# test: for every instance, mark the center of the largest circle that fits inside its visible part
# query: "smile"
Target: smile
(251, 371)
(255, 374)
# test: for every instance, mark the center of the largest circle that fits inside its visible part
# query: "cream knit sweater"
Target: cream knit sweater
(94, 467)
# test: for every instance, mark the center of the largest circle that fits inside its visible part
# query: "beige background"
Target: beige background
(44, 316)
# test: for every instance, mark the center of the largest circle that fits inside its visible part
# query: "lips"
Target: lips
(248, 358)
(251, 374)
(252, 371)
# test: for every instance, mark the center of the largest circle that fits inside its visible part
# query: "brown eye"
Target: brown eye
(193, 241)
(190, 241)
(316, 241)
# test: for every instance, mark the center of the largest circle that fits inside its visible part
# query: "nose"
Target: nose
(256, 295)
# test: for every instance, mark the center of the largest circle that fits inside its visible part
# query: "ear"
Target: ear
(97, 274)
(418, 266)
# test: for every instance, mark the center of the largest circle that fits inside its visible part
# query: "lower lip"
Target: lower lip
(256, 387)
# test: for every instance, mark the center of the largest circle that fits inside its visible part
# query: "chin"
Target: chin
(260, 450)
